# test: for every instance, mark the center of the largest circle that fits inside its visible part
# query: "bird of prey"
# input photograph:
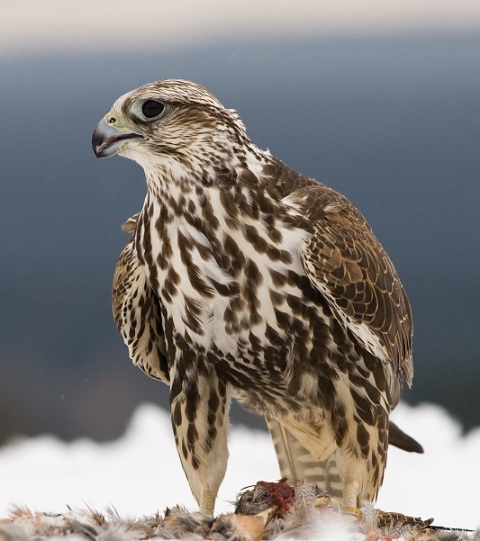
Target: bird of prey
(246, 279)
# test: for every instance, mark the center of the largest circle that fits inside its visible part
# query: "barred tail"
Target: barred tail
(297, 464)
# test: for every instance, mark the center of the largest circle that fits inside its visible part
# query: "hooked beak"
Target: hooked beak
(106, 140)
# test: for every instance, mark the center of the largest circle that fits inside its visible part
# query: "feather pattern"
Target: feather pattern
(245, 278)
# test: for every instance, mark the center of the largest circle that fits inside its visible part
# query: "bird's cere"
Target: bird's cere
(107, 139)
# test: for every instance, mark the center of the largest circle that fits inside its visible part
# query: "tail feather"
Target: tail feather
(296, 462)
(398, 438)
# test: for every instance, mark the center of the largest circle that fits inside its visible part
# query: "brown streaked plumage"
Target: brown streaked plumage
(244, 278)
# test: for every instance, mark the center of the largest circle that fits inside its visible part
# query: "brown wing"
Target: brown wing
(136, 310)
(346, 262)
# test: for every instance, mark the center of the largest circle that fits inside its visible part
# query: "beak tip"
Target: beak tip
(98, 148)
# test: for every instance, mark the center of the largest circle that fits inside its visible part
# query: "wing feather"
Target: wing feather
(137, 312)
(345, 261)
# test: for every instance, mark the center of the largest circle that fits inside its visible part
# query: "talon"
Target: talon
(352, 512)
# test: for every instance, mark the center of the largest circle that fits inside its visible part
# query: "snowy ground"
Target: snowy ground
(140, 473)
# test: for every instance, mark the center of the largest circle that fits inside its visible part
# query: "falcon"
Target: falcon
(246, 279)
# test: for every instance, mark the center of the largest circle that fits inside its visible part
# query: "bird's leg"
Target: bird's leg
(361, 459)
(352, 473)
(199, 410)
(350, 500)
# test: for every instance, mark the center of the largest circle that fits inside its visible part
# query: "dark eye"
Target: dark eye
(152, 108)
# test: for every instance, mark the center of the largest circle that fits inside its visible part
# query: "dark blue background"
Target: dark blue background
(393, 123)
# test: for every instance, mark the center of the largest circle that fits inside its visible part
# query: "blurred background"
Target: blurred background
(380, 100)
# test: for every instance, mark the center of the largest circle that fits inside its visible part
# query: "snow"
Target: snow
(140, 473)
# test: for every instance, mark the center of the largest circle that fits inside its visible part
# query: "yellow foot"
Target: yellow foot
(207, 505)
(352, 512)
(350, 501)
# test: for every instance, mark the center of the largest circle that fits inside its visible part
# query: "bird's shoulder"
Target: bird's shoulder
(313, 199)
(343, 258)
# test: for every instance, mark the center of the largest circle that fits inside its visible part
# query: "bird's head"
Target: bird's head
(173, 125)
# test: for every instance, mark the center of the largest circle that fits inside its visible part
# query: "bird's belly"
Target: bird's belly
(242, 325)
(252, 319)
(254, 313)
(261, 325)
(267, 341)
(226, 302)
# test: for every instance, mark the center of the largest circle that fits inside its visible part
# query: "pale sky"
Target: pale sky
(98, 26)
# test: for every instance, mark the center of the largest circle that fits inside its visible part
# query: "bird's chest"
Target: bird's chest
(226, 288)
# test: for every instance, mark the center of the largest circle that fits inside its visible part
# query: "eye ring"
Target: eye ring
(148, 110)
